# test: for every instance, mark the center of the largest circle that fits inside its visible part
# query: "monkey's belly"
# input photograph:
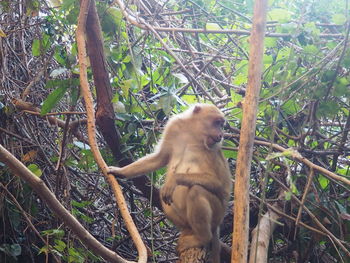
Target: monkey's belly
(177, 211)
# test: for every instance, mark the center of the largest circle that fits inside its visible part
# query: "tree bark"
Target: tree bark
(85, 90)
(105, 113)
(250, 104)
(194, 255)
(262, 233)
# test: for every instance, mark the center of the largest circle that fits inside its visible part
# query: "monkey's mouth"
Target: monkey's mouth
(212, 140)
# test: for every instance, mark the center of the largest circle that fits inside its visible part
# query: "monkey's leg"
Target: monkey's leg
(199, 216)
(176, 211)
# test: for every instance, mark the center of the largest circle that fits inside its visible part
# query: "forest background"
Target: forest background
(162, 56)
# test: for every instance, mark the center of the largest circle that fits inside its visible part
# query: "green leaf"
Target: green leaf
(312, 29)
(74, 256)
(115, 13)
(323, 181)
(279, 14)
(167, 103)
(145, 79)
(341, 87)
(81, 145)
(74, 96)
(240, 79)
(311, 49)
(127, 59)
(35, 169)
(236, 98)
(43, 250)
(339, 19)
(126, 86)
(67, 4)
(52, 100)
(119, 107)
(181, 77)
(242, 67)
(267, 60)
(212, 26)
(189, 99)
(81, 204)
(41, 45)
(60, 245)
(53, 232)
(290, 107)
(58, 71)
(270, 42)
(36, 48)
(60, 55)
(294, 189)
(288, 195)
(147, 212)
(328, 108)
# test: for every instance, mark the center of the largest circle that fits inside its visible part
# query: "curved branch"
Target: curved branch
(81, 30)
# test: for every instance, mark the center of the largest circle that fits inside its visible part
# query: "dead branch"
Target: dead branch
(262, 233)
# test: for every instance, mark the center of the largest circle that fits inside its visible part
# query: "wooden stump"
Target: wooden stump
(194, 255)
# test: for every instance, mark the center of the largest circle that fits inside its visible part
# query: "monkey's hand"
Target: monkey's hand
(116, 171)
(166, 193)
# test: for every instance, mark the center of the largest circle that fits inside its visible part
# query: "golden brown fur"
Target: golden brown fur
(198, 184)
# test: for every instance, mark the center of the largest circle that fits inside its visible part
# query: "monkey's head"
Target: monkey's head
(208, 123)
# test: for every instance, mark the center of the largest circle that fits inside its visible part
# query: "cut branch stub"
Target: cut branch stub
(194, 255)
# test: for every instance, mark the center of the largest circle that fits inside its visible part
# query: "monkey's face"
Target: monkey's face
(207, 124)
(214, 132)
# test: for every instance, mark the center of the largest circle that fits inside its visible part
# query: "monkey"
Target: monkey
(198, 180)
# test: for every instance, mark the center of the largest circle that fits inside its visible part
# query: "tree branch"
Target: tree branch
(241, 189)
(84, 7)
(57, 208)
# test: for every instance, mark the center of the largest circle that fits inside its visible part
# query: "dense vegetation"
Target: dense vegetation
(174, 54)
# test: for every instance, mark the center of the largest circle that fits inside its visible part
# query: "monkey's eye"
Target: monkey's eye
(219, 123)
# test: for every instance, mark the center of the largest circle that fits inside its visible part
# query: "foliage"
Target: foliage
(304, 107)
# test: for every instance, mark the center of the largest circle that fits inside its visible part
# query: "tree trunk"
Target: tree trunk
(105, 113)
(244, 158)
(194, 255)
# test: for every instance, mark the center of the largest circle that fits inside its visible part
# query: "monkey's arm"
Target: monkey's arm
(144, 165)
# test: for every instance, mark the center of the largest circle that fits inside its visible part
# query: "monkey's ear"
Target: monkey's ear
(197, 109)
